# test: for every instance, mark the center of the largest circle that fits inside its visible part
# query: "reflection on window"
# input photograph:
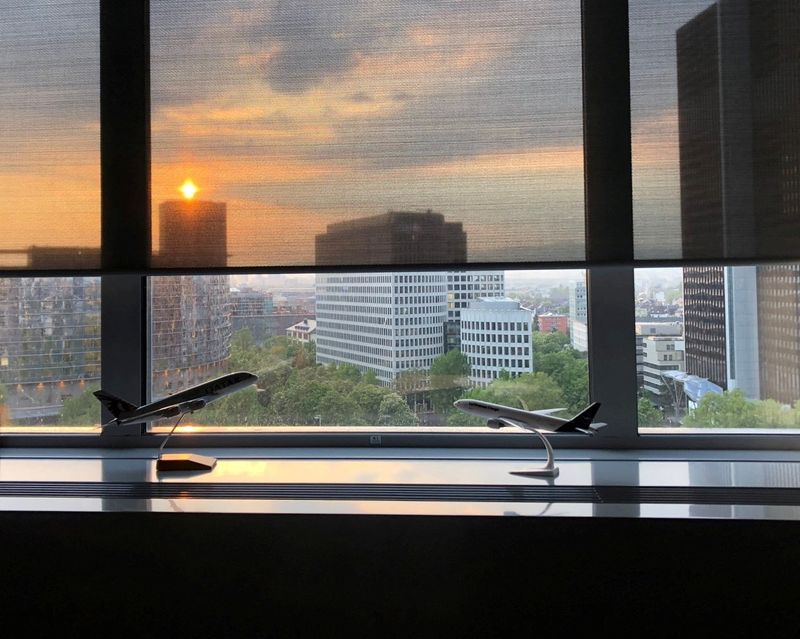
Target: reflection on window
(367, 349)
(49, 351)
(719, 347)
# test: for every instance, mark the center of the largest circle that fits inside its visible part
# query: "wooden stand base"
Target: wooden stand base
(185, 461)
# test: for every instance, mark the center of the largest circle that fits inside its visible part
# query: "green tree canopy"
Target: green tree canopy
(648, 414)
(81, 410)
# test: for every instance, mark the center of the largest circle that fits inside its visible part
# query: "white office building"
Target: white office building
(662, 354)
(462, 288)
(386, 323)
(465, 286)
(496, 336)
(578, 314)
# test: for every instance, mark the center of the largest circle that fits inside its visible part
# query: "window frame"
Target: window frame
(125, 218)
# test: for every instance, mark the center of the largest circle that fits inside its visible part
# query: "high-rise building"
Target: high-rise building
(49, 343)
(496, 335)
(462, 288)
(385, 323)
(578, 316)
(721, 326)
(192, 233)
(191, 330)
(397, 237)
(779, 331)
(739, 124)
(577, 301)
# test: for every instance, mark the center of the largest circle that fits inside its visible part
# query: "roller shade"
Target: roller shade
(715, 106)
(305, 135)
(50, 134)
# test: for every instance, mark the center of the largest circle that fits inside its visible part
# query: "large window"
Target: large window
(719, 347)
(49, 352)
(406, 167)
(372, 349)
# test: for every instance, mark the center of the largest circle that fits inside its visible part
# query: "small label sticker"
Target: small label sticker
(374, 440)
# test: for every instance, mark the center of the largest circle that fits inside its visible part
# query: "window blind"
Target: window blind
(49, 134)
(715, 106)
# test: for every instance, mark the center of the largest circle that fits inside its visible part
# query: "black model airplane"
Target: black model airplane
(538, 419)
(186, 401)
(177, 405)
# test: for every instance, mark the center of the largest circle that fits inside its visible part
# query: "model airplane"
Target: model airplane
(186, 401)
(496, 414)
(177, 405)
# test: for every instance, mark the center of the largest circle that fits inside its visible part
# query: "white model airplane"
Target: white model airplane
(498, 415)
(186, 401)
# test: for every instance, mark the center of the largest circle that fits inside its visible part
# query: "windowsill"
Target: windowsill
(638, 484)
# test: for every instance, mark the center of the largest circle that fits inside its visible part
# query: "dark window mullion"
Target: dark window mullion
(125, 183)
(609, 214)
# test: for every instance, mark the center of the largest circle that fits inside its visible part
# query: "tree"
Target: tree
(82, 410)
(648, 414)
(544, 343)
(532, 391)
(729, 409)
(239, 409)
(449, 377)
(395, 412)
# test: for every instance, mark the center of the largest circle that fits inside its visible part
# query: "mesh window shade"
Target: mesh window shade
(49, 134)
(375, 132)
(715, 101)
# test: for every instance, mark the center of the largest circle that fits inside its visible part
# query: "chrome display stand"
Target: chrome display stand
(549, 469)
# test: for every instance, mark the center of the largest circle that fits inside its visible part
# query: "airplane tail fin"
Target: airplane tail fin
(582, 422)
(114, 404)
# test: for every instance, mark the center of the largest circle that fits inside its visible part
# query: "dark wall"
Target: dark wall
(283, 575)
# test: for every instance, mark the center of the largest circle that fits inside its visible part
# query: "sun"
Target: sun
(188, 188)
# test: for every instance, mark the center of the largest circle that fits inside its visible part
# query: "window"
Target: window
(49, 352)
(368, 148)
(326, 355)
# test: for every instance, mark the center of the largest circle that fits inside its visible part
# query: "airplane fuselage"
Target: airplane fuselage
(487, 410)
(188, 400)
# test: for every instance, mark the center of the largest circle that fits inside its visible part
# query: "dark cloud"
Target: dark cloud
(315, 40)
(361, 98)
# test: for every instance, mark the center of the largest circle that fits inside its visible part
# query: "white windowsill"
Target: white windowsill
(405, 467)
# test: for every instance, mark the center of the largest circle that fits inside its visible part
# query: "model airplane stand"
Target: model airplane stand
(549, 469)
(184, 461)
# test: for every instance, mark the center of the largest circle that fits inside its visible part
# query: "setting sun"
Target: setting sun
(188, 188)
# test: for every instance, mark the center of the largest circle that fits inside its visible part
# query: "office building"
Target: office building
(721, 326)
(191, 330)
(462, 288)
(396, 237)
(496, 336)
(49, 344)
(779, 331)
(578, 316)
(192, 233)
(662, 354)
(647, 329)
(385, 323)
(739, 122)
